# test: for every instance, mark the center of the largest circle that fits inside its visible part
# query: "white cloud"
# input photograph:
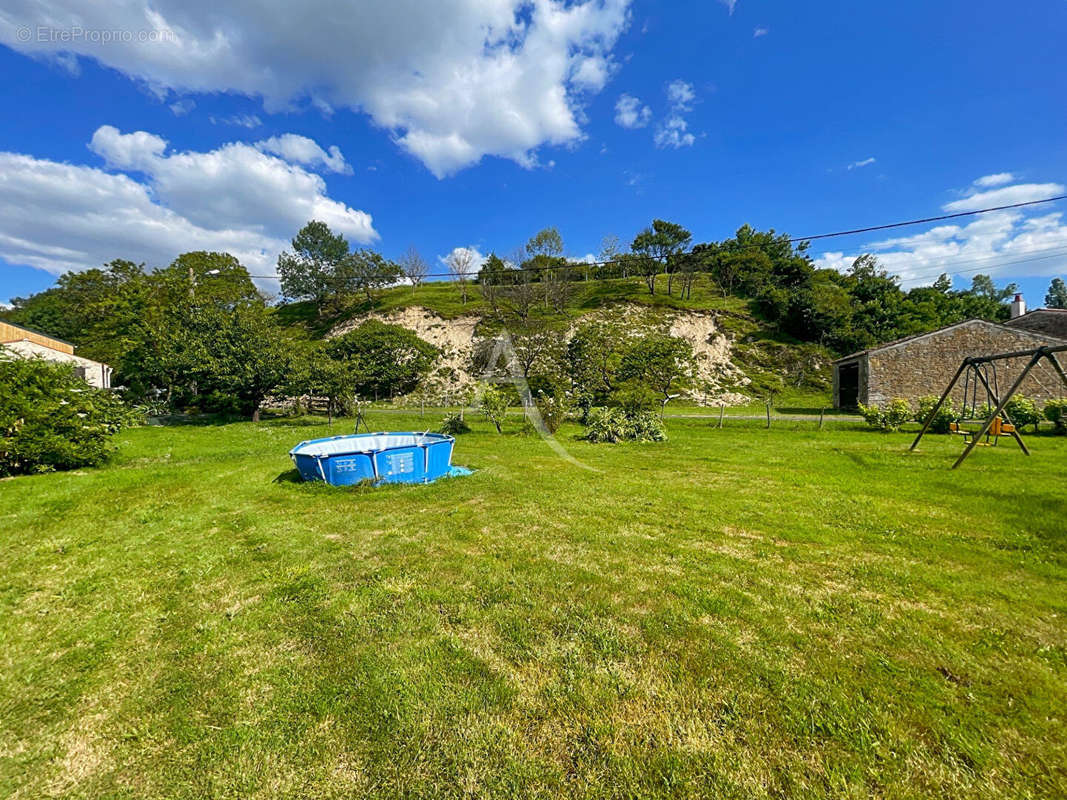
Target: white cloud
(730, 4)
(630, 113)
(673, 133)
(237, 185)
(298, 149)
(182, 107)
(760, 32)
(476, 258)
(857, 164)
(57, 216)
(998, 179)
(1005, 196)
(1001, 243)
(452, 81)
(240, 120)
(592, 74)
(680, 95)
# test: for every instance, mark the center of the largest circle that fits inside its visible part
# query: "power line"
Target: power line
(791, 240)
(947, 267)
(927, 219)
(987, 268)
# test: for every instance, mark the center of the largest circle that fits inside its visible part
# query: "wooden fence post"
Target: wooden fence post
(768, 415)
(822, 412)
(722, 410)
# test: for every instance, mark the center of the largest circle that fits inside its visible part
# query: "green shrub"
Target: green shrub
(1022, 411)
(453, 424)
(946, 415)
(1056, 413)
(553, 411)
(889, 418)
(50, 419)
(493, 403)
(621, 425)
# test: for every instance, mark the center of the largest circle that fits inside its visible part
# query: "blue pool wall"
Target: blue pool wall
(381, 458)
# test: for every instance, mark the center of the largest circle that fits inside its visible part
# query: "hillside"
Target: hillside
(726, 332)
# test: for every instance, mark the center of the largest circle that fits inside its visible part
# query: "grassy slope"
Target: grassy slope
(735, 613)
(764, 351)
(445, 299)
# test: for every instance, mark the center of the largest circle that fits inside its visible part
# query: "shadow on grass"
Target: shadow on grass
(194, 420)
(289, 476)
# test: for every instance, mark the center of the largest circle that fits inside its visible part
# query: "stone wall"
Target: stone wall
(925, 365)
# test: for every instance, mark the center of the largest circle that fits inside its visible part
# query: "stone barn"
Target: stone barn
(924, 364)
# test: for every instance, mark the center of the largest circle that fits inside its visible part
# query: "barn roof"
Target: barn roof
(1038, 338)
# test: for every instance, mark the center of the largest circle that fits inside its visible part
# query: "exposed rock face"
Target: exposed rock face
(453, 337)
(458, 337)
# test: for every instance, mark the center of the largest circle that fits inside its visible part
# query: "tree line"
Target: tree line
(843, 311)
(198, 334)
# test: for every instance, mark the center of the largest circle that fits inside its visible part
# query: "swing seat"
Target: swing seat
(997, 429)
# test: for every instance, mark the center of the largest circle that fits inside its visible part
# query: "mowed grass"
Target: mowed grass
(732, 613)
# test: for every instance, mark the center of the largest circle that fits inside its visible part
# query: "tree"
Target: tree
(559, 287)
(366, 271)
(316, 374)
(545, 261)
(97, 310)
(520, 296)
(547, 243)
(492, 275)
(877, 301)
(169, 355)
(494, 405)
(1057, 294)
(460, 262)
(593, 355)
(663, 363)
(205, 278)
(310, 270)
(659, 244)
(386, 360)
(414, 267)
(536, 354)
(984, 300)
(247, 357)
(608, 258)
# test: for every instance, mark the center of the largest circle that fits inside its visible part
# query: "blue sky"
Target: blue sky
(136, 131)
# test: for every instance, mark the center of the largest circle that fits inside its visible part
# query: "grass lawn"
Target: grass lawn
(732, 613)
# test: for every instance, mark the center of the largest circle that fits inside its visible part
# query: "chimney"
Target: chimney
(1018, 306)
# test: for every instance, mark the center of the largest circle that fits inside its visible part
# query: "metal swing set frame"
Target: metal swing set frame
(975, 371)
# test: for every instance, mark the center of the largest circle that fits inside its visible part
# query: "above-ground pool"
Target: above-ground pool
(378, 457)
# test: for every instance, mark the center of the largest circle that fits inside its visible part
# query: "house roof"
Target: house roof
(1035, 312)
(1037, 337)
(11, 324)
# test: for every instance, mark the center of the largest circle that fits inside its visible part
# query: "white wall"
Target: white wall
(96, 374)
